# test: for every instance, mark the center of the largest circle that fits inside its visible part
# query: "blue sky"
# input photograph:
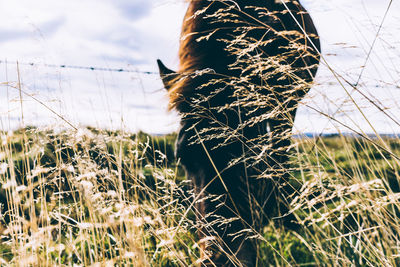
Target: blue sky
(132, 34)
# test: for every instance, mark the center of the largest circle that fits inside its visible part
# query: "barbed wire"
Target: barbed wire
(63, 66)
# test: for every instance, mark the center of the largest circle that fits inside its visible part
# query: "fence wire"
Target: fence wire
(63, 66)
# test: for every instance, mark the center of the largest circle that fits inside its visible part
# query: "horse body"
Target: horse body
(244, 66)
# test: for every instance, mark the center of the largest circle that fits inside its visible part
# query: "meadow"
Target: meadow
(93, 197)
(90, 197)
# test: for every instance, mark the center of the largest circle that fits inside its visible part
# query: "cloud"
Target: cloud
(50, 27)
(11, 35)
(134, 10)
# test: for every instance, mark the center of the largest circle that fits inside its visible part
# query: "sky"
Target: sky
(132, 34)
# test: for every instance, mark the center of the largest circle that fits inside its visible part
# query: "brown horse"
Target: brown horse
(244, 67)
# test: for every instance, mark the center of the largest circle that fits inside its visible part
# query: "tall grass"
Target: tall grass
(89, 197)
(348, 201)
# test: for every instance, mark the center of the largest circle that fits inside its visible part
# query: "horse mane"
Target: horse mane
(188, 63)
(195, 56)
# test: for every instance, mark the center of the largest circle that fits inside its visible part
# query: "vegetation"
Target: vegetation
(92, 197)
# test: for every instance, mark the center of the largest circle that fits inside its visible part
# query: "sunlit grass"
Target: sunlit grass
(93, 197)
(348, 202)
(85, 197)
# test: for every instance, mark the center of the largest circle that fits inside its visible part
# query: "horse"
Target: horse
(244, 68)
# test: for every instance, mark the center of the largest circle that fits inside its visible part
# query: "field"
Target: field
(100, 198)
(75, 196)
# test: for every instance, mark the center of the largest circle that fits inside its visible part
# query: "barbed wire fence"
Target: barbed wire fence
(18, 87)
(64, 66)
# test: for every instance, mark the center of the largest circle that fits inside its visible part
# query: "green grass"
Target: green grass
(97, 197)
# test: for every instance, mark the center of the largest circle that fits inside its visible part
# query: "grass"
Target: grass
(86, 197)
(92, 197)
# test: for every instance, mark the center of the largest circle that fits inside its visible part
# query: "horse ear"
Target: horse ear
(167, 75)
